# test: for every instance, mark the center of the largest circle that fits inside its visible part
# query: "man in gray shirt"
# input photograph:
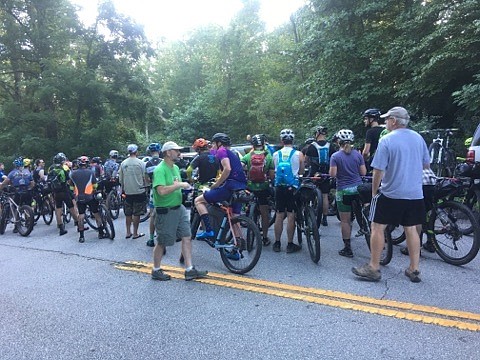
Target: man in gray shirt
(399, 161)
(131, 176)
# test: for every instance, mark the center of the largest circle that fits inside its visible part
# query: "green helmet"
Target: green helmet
(468, 142)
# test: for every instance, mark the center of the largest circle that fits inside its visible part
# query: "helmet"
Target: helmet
(321, 130)
(464, 170)
(146, 159)
(59, 158)
(83, 160)
(309, 141)
(468, 142)
(200, 143)
(113, 154)
(75, 164)
(221, 138)
(18, 162)
(96, 160)
(258, 140)
(154, 147)
(27, 162)
(345, 135)
(372, 114)
(287, 134)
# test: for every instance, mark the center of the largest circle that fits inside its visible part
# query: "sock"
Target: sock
(152, 236)
(189, 268)
(81, 233)
(346, 242)
(206, 221)
(156, 269)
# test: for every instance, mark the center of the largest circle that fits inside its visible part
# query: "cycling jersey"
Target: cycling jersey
(207, 165)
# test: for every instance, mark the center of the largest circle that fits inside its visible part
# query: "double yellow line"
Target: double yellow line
(400, 310)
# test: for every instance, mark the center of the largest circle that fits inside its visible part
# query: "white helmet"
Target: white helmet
(287, 134)
(113, 153)
(345, 135)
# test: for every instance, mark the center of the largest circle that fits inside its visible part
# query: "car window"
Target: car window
(476, 137)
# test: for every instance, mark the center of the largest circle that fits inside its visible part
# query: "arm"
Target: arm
(168, 189)
(301, 158)
(363, 170)
(366, 151)
(333, 171)
(377, 178)
(225, 173)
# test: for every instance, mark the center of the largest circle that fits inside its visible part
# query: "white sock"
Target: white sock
(156, 269)
(189, 268)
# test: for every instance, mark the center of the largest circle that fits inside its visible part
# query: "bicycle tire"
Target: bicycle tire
(25, 221)
(47, 212)
(147, 214)
(249, 247)
(395, 233)
(298, 225)
(37, 210)
(113, 204)
(4, 218)
(195, 224)
(90, 219)
(107, 222)
(446, 238)
(387, 252)
(311, 234)
(435, 161)
(66, 215)
(471, 202)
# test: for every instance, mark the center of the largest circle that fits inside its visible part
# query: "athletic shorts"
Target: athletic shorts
(173, 225)
(344, 205)
(262, 196)
(135, 205)
(384, 210)
(92, 204)
(224, 193)
(284, 199)
(63, 197)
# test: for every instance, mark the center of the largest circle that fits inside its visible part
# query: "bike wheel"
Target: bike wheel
(472, 203)
(37, 208)
(318, 206)
(107, 222)
(146, 216)
(395, 233)
(244, 255)
(4, 218)
(66, 215)
(195, 224)
(450, 241)
(90, 219)
(311, 234)
(387, 252)
(113, 204)
(25, 221)
(47, 212)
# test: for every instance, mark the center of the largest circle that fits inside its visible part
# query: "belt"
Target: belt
(169, 208)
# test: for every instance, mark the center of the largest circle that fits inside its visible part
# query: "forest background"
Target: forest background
(86, 90)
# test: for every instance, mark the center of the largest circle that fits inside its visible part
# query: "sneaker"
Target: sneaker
(414, 276)
(291, 248)
(160, 275)
(266, 241)
(324, 221)
(81, 239)
(346, 251)
(206, 235)
(195, 274)
(367, 272)
(233, 255)
(428, 246)
(276, 246)
(150, 243)
(404, 251)
(102, 235)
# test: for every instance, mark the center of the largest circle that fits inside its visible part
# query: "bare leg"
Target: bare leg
(377, 243)
(128, 222)
(290, 226)
(413, 244)
(187, 250)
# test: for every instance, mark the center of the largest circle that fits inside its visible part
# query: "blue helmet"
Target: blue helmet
(18, 161)
(154, 147)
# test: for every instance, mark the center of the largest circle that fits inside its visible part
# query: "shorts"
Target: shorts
(325, 186)
(173, 225)
(262, 196)
(92, 204)
(63, 197)
(135, 205)
(384, 210)
(344, 205)
(224, 193)
(285, 199)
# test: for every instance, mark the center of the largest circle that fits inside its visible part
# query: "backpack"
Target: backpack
(21, 179)
(323, 153)
(56, 178)
(256, 173)
(284, 173)
(109, 167)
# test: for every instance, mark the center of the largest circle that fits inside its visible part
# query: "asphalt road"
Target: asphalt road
(60, 299)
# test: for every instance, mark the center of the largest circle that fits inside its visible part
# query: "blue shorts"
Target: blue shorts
(224, 193)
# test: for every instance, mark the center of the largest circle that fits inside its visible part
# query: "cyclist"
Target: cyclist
(232, 178)
(58, 175)
(289, 164)
(206, 163)
(371, 120)
(347, 166)
(22, 180)
(85, 184)
(260, 170)
(27, 164)
(154, 151)
(110, 171)
(318, 157)
(39, 173)
(2, 172)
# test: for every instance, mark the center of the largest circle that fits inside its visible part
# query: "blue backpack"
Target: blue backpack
(323, 153)
(284, 173)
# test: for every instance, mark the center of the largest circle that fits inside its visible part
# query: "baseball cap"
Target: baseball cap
(398, 112)
(170, 145)
(132, 148)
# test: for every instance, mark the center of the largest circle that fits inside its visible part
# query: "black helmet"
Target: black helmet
(96, 160)
(321, 130)
(221, 138)
(372, 114)
(59, 158)
(258, 140)
(464, 170)
(83, 160)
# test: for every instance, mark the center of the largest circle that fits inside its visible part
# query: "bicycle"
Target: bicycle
(107, 222)
(42, 203)
(21, 216)
(238, 238)
(253, 212)
(305, 218)
(114, 199)
(442, 158)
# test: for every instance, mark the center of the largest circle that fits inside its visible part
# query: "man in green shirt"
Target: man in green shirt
(172, 219)
(260, 170)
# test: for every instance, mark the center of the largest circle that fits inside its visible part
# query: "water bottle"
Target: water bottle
(443, 217)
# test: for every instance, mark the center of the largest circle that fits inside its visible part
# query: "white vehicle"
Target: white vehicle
(473, 154)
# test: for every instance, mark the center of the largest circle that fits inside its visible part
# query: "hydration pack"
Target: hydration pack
(284, 173)
(256, 173)
(56, 178)
(323, 153)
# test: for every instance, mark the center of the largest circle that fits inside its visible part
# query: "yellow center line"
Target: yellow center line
(391, 308)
